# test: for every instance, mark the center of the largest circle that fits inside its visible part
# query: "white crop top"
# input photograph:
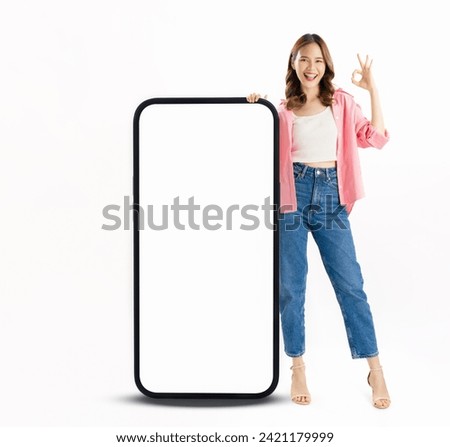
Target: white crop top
(314, 137)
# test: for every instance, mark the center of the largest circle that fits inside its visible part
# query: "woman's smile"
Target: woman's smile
(310, 76)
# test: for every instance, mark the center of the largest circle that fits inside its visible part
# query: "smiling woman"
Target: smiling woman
(321, 128)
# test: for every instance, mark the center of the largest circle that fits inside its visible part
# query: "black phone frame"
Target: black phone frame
(136, 247)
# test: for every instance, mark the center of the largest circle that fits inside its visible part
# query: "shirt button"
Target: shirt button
(318, 172)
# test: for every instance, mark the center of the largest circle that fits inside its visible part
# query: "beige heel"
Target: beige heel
(375, 398)
(295, 396)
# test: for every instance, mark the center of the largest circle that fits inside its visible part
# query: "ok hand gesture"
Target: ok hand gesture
(366, 82)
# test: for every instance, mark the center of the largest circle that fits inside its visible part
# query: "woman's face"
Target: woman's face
(309, 65)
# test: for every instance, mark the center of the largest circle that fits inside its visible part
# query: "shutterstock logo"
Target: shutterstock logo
(212, 217)
(191, 216)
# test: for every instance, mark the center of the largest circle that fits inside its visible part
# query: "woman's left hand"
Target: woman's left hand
(367, 82)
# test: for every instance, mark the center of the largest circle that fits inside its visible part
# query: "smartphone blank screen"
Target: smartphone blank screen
(205, 247)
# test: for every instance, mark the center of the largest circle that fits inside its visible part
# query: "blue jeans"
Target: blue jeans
(319, 212)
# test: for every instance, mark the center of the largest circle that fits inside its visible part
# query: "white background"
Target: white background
(72, 75)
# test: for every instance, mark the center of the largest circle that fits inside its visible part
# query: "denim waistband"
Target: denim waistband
(309, 170)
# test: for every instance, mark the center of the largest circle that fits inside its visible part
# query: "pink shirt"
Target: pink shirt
(354, 130)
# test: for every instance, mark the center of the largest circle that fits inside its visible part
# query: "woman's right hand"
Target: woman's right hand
(253, 97)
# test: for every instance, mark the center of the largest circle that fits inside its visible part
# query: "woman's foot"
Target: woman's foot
(299, 391)
(380, 395)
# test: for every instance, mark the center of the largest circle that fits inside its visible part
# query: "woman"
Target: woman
(320, 179)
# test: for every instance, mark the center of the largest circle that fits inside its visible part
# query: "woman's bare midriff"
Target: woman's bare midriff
(321, 164)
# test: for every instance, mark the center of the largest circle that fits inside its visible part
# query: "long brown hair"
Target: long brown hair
(295, 97)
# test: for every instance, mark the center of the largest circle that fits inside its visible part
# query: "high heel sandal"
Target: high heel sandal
(375, 399)
(295, 396)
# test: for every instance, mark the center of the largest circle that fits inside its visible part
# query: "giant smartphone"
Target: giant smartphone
(205, 248)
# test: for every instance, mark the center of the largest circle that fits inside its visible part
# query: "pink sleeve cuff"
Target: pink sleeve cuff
(369, 136)
(377, 139)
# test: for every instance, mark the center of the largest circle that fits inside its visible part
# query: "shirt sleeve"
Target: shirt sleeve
(366, 134)
(284, 145)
